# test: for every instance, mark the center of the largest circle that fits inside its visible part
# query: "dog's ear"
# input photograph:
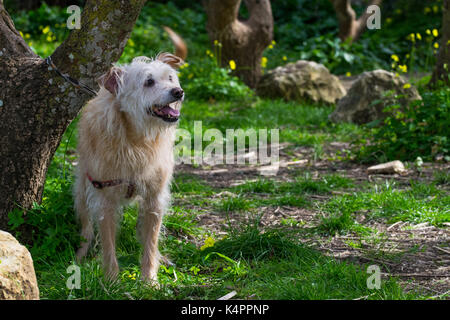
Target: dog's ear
(172, 60)
(110, 80)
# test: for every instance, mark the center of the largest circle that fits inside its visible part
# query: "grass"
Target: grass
(420, 203)
(302, 124)
(270, 265)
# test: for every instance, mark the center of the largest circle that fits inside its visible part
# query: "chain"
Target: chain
(74, 82)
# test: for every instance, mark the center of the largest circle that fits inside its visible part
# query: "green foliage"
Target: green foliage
(341, 57)
(54, 229)
(148, 38)
(299, 20)
(306, 30)
(43, 29)
(420, 130)
(203, 79)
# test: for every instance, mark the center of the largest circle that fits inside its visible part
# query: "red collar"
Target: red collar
(111, 183)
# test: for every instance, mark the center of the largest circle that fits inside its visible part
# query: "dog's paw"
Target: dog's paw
(111, 273)
(151, 281)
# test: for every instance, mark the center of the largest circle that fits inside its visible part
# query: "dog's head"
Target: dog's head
(147, 89)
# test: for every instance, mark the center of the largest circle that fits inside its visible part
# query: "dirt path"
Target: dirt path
(419, 255)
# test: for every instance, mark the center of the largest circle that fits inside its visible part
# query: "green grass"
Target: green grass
(302, 124)
(418, 203)
(269, 264)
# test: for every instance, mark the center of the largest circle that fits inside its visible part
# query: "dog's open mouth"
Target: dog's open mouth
(166, 113)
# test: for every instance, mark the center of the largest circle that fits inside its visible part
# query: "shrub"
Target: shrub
(420, 130)
(205, 80)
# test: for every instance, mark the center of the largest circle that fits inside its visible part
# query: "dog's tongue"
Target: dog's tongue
(169, 111)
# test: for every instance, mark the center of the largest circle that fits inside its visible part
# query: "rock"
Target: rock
(17, 277)
(367, 98)
(388, 168)
(301, 81)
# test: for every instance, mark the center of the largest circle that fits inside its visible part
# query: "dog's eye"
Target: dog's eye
(149, 82)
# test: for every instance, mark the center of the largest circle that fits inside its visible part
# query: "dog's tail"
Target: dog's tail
(180, 46)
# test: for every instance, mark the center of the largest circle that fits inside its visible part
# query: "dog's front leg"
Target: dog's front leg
(149, 225)
(107, 228)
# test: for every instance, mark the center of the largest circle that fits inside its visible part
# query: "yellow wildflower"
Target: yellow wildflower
(435, 33)
(427, 10)
(21, 34)
(348, 74)
(232, 65)
(418, 36)
(285, 58)
(388, 20)
(209, 242)
(264, 62)
(270, 46)
(428, 31)
(395, 58)
(216, 42)
(403, 68)
(273, 42)
(46, 30)
(436, 45)
(435, 9)
(407, 86)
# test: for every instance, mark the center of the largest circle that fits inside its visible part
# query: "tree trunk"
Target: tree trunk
(242, 41)
(37, 105)
(442, 69)
(350, 28)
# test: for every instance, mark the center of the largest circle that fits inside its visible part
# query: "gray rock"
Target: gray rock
(17, 277)
(301, 81)
(370, 94)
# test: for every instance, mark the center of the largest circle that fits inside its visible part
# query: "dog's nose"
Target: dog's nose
(177, 93)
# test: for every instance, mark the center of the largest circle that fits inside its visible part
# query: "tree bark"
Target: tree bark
(350, 28)
(243, 41)
(37, 105)
(442, 68)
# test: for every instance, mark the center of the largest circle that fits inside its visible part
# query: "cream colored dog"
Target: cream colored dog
(126, 137)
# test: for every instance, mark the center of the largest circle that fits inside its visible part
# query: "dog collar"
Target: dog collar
(111, 183)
